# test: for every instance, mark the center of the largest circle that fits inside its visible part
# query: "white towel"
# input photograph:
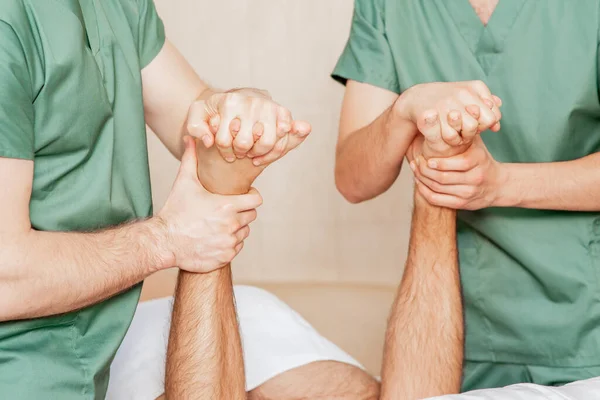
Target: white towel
(581, 390)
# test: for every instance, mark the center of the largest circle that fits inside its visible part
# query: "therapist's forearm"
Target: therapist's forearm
(369, 160)
(48, 273)
(170, 87)
(570, 185)
(424, 340)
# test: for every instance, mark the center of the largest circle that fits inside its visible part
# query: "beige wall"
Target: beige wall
(306, 232)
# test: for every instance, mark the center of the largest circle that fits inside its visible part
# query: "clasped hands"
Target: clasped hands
(451, 164)
(233, 137)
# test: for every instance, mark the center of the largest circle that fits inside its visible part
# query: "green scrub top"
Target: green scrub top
(531, 278)
(71, 101)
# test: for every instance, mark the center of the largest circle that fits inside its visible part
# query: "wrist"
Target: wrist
(431, 219)
(399, 130)
(207, 93)
(159, 239)
(508, 192)
(403, 109)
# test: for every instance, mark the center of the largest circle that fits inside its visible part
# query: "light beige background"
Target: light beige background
(306, 234)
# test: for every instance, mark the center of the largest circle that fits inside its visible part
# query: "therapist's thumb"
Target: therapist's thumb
(189, 160)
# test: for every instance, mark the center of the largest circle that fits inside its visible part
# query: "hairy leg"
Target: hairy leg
(423, 351)
(322, 380)
(204, 356)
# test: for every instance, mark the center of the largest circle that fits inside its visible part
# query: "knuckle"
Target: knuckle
(230, 255)
(271, 108)
(429, 196)
(285, 113)
(463, 92)
(193, 126)
(243, 144)
(422, 115)
(444, 177)
(256, 102)
(478, 84)
(265, 93)
(478, 178)
(254, 213)
(260, 149)
(230, 240)
(234, 226)
(231, 100)
(223, 141)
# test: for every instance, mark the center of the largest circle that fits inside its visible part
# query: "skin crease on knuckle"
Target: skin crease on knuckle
(234, 226)
(478, 177)
(479, 85)
(464, 93)
(231, 100)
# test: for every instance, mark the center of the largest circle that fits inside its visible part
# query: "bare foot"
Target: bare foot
(220, 176)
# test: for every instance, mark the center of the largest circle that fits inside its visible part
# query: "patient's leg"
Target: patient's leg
(322, 380)
(423, 351)
(204, 356)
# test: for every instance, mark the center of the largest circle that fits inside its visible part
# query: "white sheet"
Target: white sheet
(275, 339)
(581, 390)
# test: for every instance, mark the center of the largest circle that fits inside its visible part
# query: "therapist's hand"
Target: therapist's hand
(202, 231)
(462, 109)
(471, 180)
(243, 123)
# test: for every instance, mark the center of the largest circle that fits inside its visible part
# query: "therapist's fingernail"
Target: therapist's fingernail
(256, 162)
(413, 166)
(230, 159)
(432, 164)
(206, 140)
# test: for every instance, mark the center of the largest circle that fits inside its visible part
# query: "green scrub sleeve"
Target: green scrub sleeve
(16, 98)
(367, 57)
(151, 34)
